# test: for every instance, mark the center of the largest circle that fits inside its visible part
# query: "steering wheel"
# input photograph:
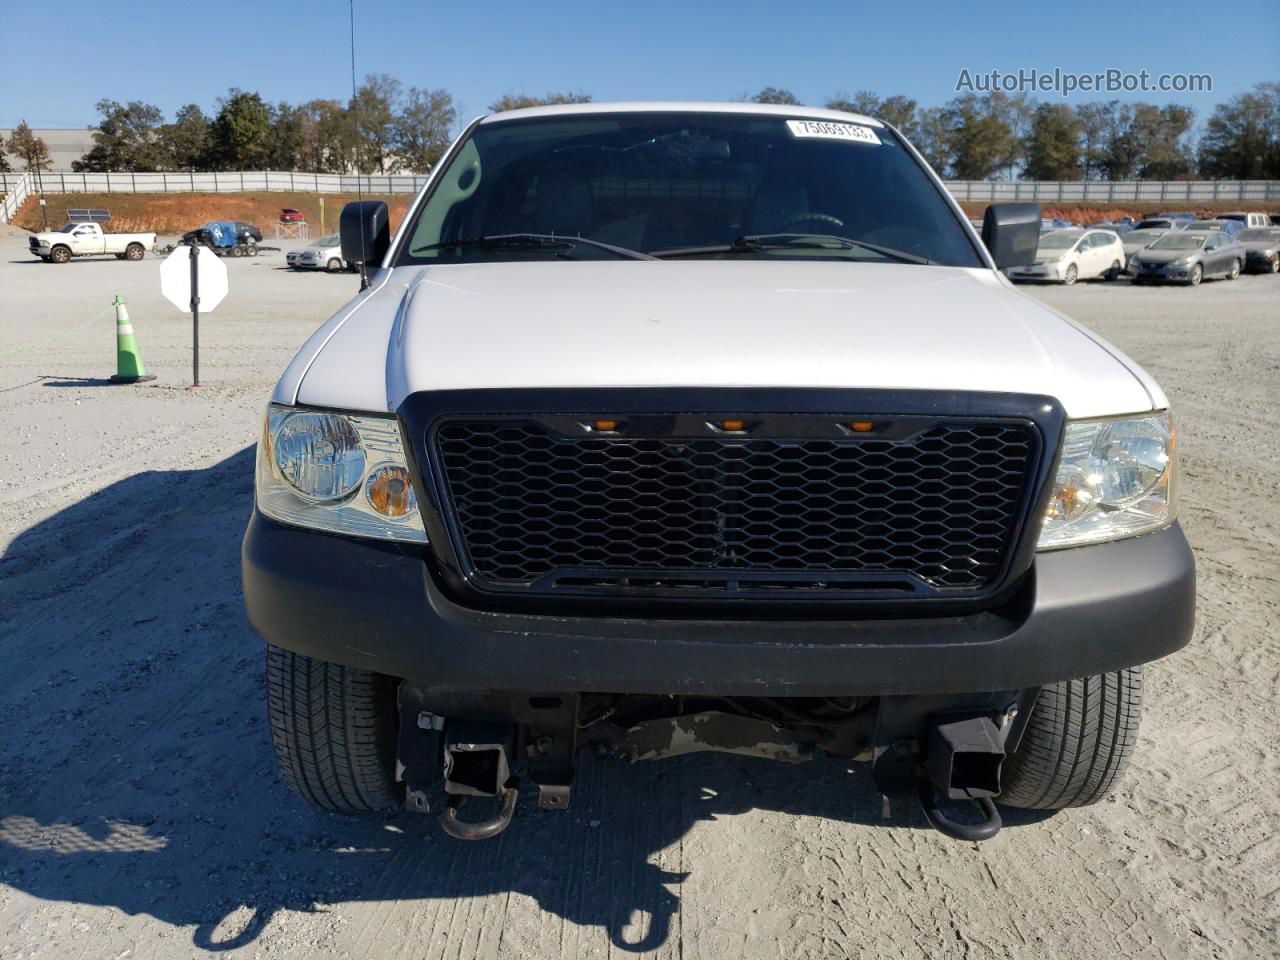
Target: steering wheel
(818, 217)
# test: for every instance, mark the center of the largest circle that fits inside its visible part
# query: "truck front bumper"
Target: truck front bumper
(374, 605)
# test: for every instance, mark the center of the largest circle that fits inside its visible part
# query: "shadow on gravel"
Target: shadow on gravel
(136, 770)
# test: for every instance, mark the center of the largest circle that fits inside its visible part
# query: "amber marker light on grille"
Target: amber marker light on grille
(733, 426)
(862, 426)
(605, 426)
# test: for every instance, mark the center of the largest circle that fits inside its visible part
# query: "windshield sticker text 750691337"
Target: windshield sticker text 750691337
(825, 130)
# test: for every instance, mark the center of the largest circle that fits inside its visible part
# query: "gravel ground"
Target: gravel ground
(141, 814)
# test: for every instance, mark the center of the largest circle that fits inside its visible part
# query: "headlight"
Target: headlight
(344, 473)
(1115, 479)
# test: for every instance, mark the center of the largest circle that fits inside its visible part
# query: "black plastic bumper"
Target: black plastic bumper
(357, 602)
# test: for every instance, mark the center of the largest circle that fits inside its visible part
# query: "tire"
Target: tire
(334, 732)
(1077, 743)
(1113, 273)
(1234, 272)
(60, 254)
(134, 251)
(237, 251)
(1071, 276)
(334, 265)
(251, 249)
(1196, 275)
(1273, 265)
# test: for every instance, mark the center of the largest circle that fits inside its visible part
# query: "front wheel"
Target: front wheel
(60, 254)
(1196, 275)
(1234, 271)
(334, 265)
(334, 732)
(1077, 742)
(1071, 276)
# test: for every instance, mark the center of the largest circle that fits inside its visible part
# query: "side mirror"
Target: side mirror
(1011, 232)
(365, 232)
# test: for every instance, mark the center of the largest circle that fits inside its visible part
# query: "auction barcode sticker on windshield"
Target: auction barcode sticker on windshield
(825, 130)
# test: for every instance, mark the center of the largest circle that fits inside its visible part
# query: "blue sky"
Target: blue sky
(175, 52)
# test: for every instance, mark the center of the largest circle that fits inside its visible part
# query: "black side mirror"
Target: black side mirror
(365, 231)
(1011, 232)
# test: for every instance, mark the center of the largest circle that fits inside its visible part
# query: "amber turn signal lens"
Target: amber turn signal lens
(606, 425)
(732, 426)
(861, 426)
(390, 491)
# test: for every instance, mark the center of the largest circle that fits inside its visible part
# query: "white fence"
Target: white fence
(17, 187)
(1118, 191)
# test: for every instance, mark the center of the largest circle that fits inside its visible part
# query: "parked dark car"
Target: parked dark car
(290, 215)
(1160, 223)
(1182, 216)
(1189, 256)
(1261, 249)
(245, 233)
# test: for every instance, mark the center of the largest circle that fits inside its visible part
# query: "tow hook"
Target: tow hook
(477, 764)
(962, 762)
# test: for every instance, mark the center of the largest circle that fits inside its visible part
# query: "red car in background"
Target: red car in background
(290, 215)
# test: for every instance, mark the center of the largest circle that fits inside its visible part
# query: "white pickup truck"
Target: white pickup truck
(664, 428)
(88, 240)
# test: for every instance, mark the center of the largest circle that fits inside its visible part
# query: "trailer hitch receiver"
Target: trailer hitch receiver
(962, 762)
(477, 764)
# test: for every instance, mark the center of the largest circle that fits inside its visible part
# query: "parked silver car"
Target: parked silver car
(324, 254)
(1189, 256)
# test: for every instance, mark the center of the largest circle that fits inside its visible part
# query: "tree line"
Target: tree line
(994, 135)
(387, 127)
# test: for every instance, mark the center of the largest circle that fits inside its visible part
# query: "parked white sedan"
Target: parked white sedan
(324, 254)
(1065, 256)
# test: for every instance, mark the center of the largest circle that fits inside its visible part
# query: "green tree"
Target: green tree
(1095, 120)
(184, 143)
(328, 137)
(1242, 137)
(373, 113)
(285, 147)
(5, 165)
(30, 149)
(864, 102)
(775, 95)
(239, 138)
(423, 128)
(1160, 135)
(518, 101)
(933, 138)
(126, 138)
(980, 135)
(1053, 145)
(901, 112)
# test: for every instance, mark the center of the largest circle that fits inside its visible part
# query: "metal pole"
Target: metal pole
(195, 313)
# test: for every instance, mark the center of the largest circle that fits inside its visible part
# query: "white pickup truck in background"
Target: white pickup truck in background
(88, 240)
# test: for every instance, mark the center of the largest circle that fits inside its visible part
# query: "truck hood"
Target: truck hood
(705, 323)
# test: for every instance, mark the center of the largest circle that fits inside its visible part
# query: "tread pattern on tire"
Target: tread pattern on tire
(1077, 742)
(334, 732)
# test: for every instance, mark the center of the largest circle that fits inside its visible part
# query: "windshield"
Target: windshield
(1058, 240)
(1264, 235)
(644, 183)
(1179, 241)
(332, 241)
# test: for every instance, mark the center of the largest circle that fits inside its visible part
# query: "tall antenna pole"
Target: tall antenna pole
(364, 254)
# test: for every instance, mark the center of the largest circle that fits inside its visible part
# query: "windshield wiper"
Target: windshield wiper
(752, 243)
(543, 240)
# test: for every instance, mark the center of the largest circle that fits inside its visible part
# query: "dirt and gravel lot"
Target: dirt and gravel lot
(141, 814)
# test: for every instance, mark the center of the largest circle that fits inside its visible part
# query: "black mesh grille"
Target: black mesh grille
(936, 510)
